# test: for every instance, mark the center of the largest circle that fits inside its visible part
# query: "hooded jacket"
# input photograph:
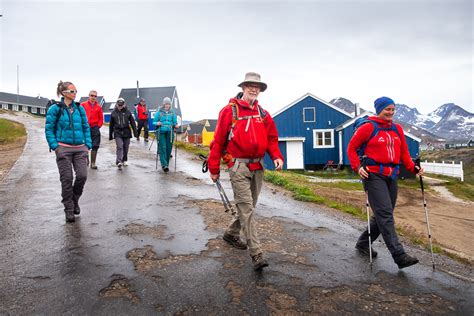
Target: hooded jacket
(252, 137)
(167, 118)
(120, 123)
(386, 149)
(95, 115)
(70, 127)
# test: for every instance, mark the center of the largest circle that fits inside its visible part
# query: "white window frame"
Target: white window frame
(42, 111)
(34, 110)
(15, 107)
(5, 106)
(323, 131)
(314, 116)
(24, 108)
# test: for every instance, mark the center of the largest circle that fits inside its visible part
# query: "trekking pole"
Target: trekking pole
(225, 200)
(175, 149)
(149, 148)
(368, 211)
(418, 164)
(157, 137)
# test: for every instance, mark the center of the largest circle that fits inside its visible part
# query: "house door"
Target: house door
(294, 155)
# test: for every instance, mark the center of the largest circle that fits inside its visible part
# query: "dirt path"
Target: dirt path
(452, 220)
(9, 155)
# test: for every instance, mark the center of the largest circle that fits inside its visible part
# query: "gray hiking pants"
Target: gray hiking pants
(68, 158)
(382, 198)
(246, 185)
(122, 149)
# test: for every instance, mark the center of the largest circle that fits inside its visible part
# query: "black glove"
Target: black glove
(417, 169)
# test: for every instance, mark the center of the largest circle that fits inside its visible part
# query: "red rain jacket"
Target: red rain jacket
(252, 138)
(385, 148)
(95, 115)
(142, 112)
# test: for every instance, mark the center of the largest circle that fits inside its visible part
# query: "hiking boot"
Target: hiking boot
(234, 241)
(93, 166)
(138, 139)
(93, 158)
(405, 261)
(70, 218)
(258, 262)
(146, 140)
(119, 165)
(166, 169)
(364, 250)
(125, 163)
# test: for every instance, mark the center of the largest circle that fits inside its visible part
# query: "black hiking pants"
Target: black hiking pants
(382, 192)
(143, 124)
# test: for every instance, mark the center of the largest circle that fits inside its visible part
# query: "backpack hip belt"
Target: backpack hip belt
(382, 166)
(238, 161)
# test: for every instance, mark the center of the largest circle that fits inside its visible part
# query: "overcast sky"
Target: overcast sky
(419, 53)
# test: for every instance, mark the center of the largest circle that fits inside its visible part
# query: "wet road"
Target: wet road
(150, 243)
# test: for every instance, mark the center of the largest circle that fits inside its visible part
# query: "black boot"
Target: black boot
(70, 218)
(405, 260)
(364, 250)
(258, 262)
(77, 209)
(93, 158)
(235, 241)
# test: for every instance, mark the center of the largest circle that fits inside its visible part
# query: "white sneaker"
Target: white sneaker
(125, 163)
(119, 165)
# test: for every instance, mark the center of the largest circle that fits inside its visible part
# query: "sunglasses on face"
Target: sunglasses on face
(70, 91)
(120, 104)
(92, 96)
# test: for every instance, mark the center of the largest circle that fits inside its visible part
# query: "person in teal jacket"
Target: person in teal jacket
(166, 122)
(68, 134)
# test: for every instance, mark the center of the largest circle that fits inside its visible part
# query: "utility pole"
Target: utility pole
(18, 85)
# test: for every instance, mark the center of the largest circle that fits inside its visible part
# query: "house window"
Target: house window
(309, 115)
(5, 106)
(323, 138)
(34, 110)
(42, 111)
(15, 107)
(24, 108)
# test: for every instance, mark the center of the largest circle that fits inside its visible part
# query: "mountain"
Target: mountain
(449, 121)
(455, 123)
(411, 116)
(345, 105)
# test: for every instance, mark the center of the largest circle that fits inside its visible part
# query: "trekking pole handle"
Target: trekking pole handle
(205, 167)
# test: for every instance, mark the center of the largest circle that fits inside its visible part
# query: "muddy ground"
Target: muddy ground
(451, 220)
(9, 155)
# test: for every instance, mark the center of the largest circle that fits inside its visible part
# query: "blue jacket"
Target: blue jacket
(168, 120)
(69, 128)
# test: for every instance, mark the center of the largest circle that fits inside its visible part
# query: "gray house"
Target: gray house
(154, 98)
(14, 102)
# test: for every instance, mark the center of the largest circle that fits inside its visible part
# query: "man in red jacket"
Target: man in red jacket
(142, 118)
(95, 117)
(244, 133)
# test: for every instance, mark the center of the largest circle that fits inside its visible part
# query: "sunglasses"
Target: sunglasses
(120, 104)
(70, 91)
(92, 96)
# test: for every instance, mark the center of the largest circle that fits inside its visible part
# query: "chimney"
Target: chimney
(357, 109)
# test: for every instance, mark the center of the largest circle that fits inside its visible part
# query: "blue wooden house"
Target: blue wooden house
(313, 132)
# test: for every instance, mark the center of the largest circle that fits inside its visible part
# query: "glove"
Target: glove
(417, 169)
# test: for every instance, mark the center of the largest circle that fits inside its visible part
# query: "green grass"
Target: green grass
(299, 186)
(348, 186)
(192, 148)
(10, 131)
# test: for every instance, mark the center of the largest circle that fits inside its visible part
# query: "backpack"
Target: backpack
(363, 120)
(235, 117)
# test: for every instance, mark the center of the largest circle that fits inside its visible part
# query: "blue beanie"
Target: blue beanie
(382, 103)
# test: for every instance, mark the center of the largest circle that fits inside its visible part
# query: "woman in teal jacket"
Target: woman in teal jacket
(68, 134)
(166, 122)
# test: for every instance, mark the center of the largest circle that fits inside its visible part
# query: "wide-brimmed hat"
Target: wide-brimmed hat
(253, 77)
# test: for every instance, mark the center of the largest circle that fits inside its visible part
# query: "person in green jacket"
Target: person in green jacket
(166, 122)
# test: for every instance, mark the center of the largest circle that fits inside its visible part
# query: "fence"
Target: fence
(447, 169)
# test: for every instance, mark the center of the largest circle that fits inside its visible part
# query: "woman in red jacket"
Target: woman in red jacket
(379, 168)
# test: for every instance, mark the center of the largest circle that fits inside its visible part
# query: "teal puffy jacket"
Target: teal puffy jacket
(69, 128)
(168, 120)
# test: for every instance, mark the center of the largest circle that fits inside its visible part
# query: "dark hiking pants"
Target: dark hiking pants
(382, 198)
(68, 158)
(95, 135)
(122, 149)
(143, 124)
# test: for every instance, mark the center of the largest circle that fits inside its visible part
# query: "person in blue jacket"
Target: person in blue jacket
(68, 134)
(166, 122)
